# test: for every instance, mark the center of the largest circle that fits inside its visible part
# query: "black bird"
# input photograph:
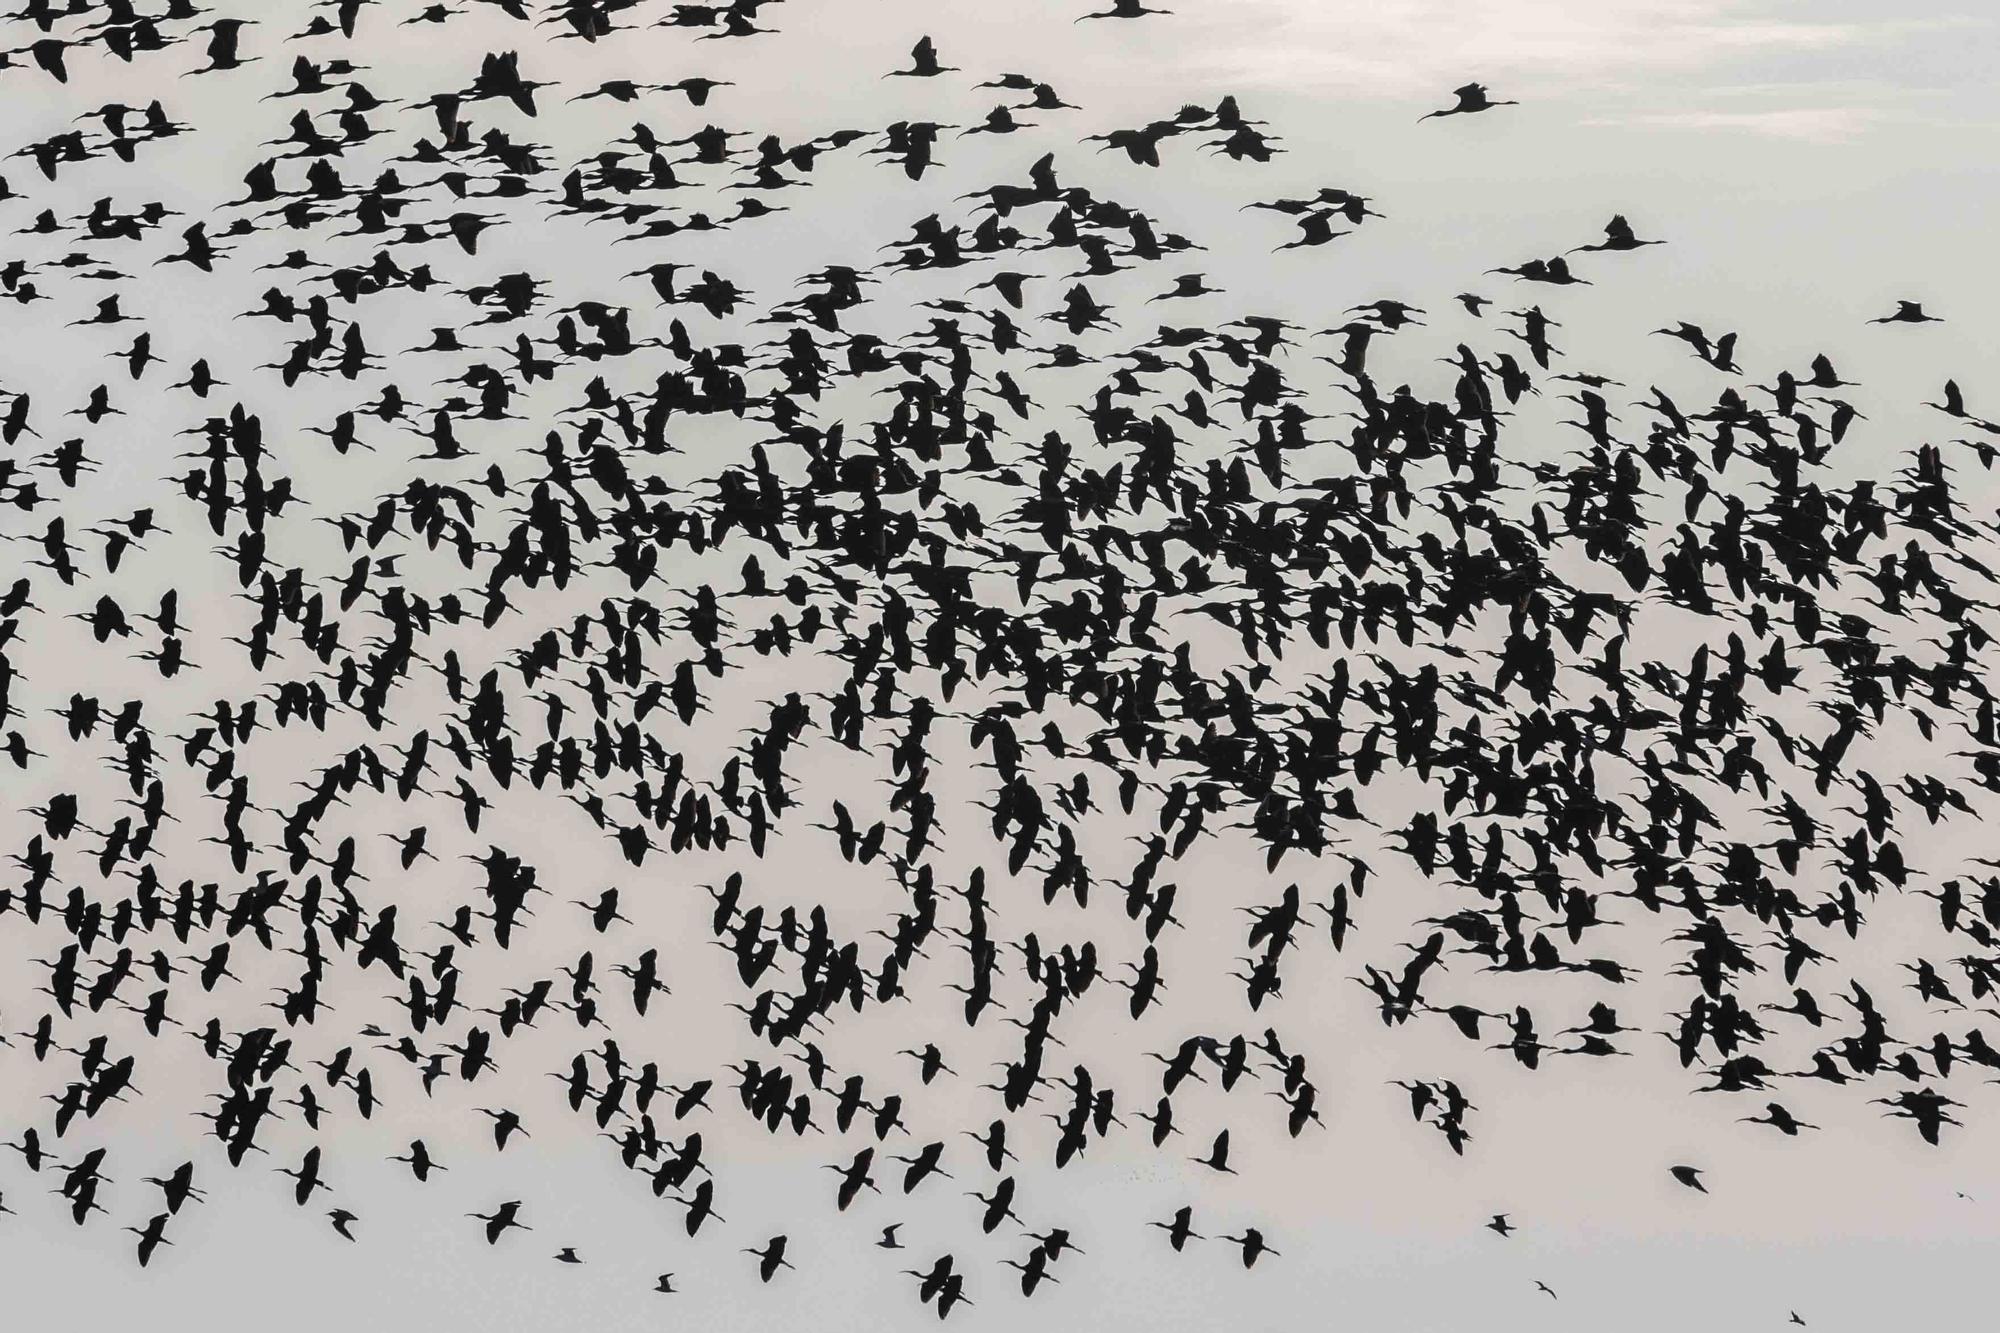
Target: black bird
(151, 1237)
(1181, 1229)
(1907, 312)
(500, 1219)
(771, 1258)
(1472, 98)
(1125, 9)
(923, 62)
(1617, 236)
(1252, 1244)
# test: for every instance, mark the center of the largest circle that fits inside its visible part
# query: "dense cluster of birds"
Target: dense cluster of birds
(937, 636)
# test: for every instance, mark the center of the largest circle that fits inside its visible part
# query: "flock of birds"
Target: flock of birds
(989, 615)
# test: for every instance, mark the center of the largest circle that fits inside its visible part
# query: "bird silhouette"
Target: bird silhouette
(1907, 312)
(1472, 99)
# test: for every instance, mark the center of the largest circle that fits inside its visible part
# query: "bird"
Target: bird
(923, 62)
(1907, 312)
(1617, 236)
(1780, 1119)
(1218, 1155)
(1185, 286)
(1315, 228)
(1472, 98)
(1180, 1229)
(1689, 1176)
(1125, 9)
(500, 1220)
(151, 1237)
(418, 1160)
(770, 1258)
(1252, 1244)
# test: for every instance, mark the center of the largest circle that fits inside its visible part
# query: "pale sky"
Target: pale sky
(1808, 165)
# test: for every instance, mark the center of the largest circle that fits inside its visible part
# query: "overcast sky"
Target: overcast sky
(1808, 165)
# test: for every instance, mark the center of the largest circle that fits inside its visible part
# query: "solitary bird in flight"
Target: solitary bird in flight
(1125, 9)
(1472, 99)
(1908, 312)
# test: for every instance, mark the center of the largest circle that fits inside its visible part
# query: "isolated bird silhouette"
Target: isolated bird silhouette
(1472, 98)
(1907, 312)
